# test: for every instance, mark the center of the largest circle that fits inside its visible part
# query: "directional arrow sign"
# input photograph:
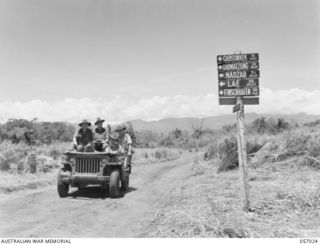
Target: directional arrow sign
(241, 74)
(239, 83)
(239, 92)
(230, 58)
(239, 66)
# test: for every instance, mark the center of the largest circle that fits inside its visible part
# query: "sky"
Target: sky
(128, 59)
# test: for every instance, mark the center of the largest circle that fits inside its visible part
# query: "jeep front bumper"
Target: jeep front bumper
(86, 179)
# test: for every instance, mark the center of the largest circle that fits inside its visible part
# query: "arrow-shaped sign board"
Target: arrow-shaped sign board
(231, 58)
(239, 83)
(239, 66)
(239, 92)
(242, 74)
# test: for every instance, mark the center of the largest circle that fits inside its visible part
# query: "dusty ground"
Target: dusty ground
(91, 213)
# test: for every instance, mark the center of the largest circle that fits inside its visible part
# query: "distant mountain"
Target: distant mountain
(213, 122)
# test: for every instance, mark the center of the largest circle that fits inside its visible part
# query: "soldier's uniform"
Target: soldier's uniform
(100, 134)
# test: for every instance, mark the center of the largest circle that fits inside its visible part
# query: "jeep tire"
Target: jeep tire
(125, 184)
(63, 188)
(114, 185)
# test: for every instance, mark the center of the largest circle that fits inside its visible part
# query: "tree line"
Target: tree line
(20, 130)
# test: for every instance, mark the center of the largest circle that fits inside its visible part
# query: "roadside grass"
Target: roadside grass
(284, 191)
(12, 182)
(302, 144)
(149, 156)
(24, 167)
(284, 203)
(298, 148)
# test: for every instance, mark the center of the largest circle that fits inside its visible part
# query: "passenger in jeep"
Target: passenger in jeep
(100, 135)
(83, 140)
(125, 141)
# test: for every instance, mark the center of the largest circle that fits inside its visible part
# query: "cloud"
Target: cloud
(122, 108)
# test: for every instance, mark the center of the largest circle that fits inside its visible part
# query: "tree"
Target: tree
(176, 133)
(197, 128)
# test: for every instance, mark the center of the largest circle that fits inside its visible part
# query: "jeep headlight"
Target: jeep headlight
(72, 161)
(103, 162)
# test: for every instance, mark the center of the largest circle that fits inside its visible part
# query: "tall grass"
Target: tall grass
(160, 154)
(25, 167)
(224, 151)
(302, 144)
(301, 147)
(24, 158)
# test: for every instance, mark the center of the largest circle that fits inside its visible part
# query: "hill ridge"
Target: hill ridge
(165, 125)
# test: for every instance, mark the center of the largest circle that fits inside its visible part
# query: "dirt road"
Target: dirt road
(91, 213)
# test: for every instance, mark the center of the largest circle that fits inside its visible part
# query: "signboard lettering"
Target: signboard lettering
(223, 75)
(221, 59)
(239, 83)
(239, 66)
(239, 92)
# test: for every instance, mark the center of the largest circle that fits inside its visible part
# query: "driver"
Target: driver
(100, 135)
(114, 148)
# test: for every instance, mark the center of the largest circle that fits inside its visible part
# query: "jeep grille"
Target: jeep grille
(87, 165)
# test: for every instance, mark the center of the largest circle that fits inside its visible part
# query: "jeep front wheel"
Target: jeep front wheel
(114, 188)
(125, 184)
(63, 188)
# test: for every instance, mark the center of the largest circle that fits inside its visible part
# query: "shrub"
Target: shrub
(271, 125)
(224, 151)
(302, 144)
(4, 162)
(158, 154)
(54, 153)
(11, 154)
(32, 163)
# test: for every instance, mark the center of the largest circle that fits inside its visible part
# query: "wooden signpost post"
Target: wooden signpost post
(238, 82)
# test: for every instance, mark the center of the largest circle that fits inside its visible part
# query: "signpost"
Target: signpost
(238, 84)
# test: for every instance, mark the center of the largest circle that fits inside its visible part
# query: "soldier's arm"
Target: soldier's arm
(74, 140)
(129, 142)
(130, 150)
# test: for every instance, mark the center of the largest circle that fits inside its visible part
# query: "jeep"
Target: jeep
(81, 169)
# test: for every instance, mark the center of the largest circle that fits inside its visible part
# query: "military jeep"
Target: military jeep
(81, 169)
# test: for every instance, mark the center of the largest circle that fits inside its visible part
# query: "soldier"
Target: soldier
(83, 140)
(114, 148)
(126, 142)
(100, 135)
